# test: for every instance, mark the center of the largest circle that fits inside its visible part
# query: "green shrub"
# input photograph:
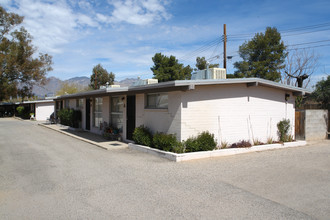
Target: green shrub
(143, 136)
(66, 117)
(191, 144)
(179, 148)
(166, 142)
(23, 112)
(283, 128)
(203, 142)
(240, 144)
(20, 110)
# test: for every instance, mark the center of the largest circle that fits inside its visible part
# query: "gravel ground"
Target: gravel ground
(47, 175)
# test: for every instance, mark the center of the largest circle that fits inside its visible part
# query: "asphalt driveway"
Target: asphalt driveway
(47, 175)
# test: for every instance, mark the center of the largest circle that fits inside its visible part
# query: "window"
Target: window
(79, 103)
(66, 103)
(157, 101)
(117, 108)
(97, 112)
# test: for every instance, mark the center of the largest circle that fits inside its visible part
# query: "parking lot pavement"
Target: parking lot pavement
(47, 175)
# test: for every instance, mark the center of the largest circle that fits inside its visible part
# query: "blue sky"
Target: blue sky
(123, 35)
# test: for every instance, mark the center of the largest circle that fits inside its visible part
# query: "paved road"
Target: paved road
(48, 175)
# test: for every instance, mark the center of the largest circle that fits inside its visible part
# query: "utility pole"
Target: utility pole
(224, 47)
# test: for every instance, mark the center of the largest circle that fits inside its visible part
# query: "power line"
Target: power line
(201, 49)
(310, 27)
(314, 42)
(324, 45)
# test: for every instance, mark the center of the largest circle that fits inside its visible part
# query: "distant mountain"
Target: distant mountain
(54, 84)
(126, 82)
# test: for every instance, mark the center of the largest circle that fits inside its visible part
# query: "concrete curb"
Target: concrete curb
(215, 153)
(74, 136)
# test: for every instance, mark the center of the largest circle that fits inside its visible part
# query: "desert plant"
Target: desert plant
(241, 144)
(256, 141)
(143, 136)
(224, 145)
(270, 140)
(283, 128)
(164, 142)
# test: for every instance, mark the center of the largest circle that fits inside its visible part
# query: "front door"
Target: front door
(130, 125)
(88, 114)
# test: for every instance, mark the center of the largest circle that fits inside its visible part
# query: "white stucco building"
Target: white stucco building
(231, 109)
(42, 108)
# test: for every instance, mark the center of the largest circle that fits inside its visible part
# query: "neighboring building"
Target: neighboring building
(42, 109)
(231, 109)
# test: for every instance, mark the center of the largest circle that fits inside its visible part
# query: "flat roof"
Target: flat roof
(185, 85)
(38, 101)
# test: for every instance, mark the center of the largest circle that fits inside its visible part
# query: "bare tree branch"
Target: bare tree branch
(300, 66)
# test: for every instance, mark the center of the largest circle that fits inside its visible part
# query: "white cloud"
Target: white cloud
(138, 12)
(52, 24)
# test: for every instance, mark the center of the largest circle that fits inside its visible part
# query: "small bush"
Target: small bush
(66, 117)
(191, 144)
(166, 142)
(283, 128)
(203, 142)
(179, 148)
(142, 135)
(20, 110)
(241, 144)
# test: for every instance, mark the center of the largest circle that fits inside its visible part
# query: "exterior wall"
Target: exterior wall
(235, 112)
(316, 124)
(160, 120)
(44, 110)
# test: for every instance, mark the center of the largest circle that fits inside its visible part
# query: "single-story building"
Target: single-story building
(231, 109)
(42, 109)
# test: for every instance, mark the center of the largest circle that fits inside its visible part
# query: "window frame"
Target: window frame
(97, 112)
(79, 103)
(158, 104)
(118, 114)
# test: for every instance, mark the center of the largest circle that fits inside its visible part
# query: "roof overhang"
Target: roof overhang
(183, 85)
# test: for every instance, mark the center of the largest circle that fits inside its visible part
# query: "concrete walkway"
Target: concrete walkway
(85, 136)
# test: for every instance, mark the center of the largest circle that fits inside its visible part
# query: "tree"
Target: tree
(67, 88)
(322, 93)
(201, 64)
(263, 56)
(168, 68)
(20, 69)
(299, 66)
(100, 77)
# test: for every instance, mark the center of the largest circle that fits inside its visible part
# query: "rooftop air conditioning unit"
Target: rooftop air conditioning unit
(142, 82)
(211, 73)
(114, 86)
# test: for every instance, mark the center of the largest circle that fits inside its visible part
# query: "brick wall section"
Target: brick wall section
(235, 112)
(316, 124)
(160, 120)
